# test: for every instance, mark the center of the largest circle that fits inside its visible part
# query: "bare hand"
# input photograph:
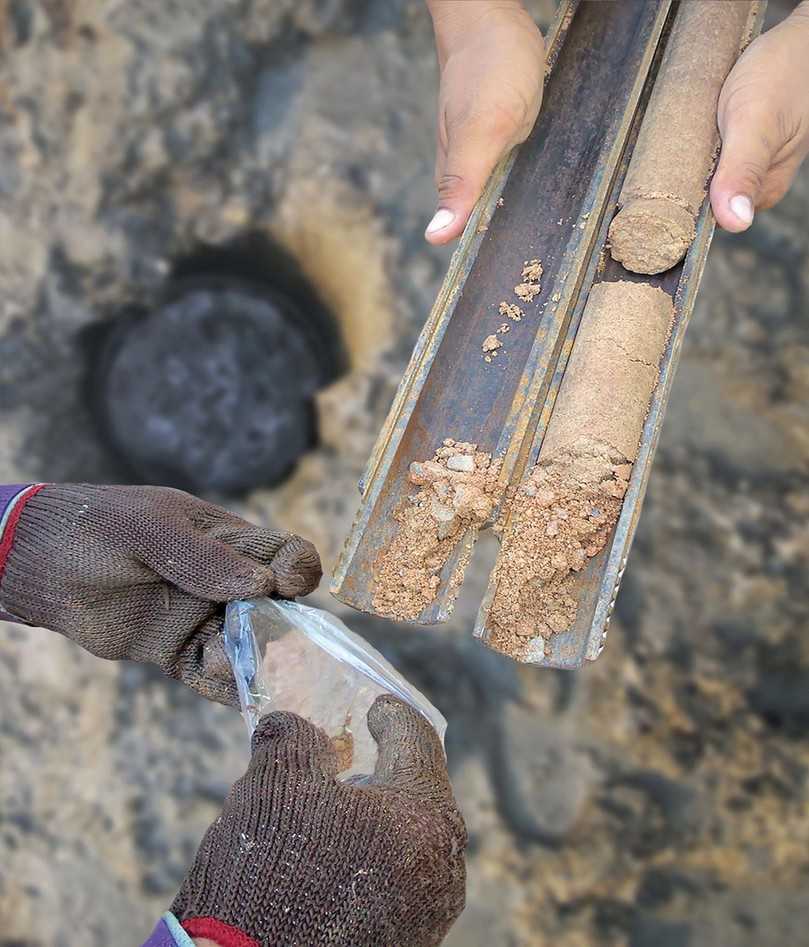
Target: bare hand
(492, 60)
(763, 118)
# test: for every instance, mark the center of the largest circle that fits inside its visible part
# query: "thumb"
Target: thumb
(411, 757)
(203, 665)
(744, 163)
(464, 165)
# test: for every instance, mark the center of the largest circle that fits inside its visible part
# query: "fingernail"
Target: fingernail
(443, 218)
(742, 207)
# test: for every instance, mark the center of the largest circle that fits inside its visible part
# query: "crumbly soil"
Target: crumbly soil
(343, 745)
(530, 285)
(512, 310)
(561, 516)
(526, 290)
(490, 346)
(565, 510)
(457, 490)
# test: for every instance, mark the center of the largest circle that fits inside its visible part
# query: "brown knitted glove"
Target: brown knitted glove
(143, 573)
(298, 859)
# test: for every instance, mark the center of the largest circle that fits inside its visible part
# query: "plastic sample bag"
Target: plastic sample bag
(287, 656)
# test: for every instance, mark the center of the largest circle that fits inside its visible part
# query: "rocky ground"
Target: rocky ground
(657, 798)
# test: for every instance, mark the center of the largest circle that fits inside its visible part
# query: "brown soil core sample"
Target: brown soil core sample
(565, 510)
(458, 490)
(604, 396)
(651, 236)
(667, 176)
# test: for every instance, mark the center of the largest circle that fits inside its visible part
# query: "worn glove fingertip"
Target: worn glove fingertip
(389, 715)
(411, 756)
(296, 568)
(295, 743)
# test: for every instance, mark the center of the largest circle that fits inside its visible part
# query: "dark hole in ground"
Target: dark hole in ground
(212, 388)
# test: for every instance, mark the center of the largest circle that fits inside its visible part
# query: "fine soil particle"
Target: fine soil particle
(457, 490)
(532, 271)
(561, 516)
(512, 311)
(526, 291)
(343, 744)
(491, 344)
(530, 285)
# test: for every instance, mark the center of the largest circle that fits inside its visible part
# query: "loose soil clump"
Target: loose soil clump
(457, 491)
(512, 310)
(562, 515)
(527, 290)
(531, 276)
(490, 346)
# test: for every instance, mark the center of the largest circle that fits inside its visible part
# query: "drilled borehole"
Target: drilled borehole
(212, 388)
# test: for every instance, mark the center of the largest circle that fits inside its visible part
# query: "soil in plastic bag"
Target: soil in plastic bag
(287, 656)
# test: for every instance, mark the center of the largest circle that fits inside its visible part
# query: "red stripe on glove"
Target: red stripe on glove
(223, 934)
(7, 539)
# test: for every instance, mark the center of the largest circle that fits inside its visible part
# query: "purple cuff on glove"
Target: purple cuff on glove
(13, 498)
(7, 493)
(168, 933)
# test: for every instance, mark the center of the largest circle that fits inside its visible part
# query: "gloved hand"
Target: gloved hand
(298, 859)
(143, 573)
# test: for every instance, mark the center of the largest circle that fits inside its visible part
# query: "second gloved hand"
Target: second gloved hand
(298, 858)
(144, 572)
